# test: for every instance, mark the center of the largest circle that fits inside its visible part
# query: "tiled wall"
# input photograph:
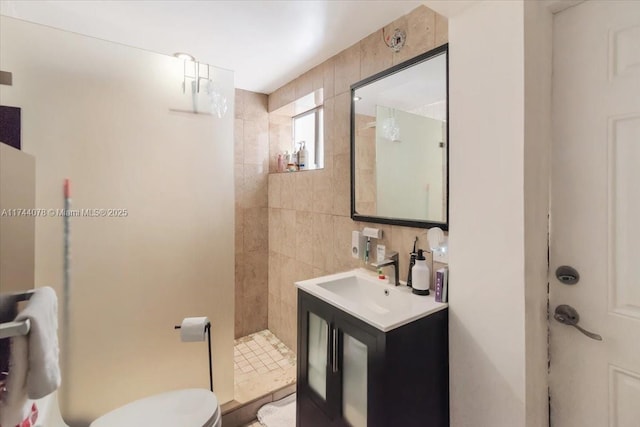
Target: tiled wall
(309, 212)
(251, 163)
(366, 187)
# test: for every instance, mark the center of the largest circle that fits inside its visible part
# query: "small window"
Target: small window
(308, 136)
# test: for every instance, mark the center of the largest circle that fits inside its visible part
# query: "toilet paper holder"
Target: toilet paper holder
(207, 329)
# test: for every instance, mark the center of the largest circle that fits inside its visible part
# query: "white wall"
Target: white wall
(98, 113)
(500, 67)
(486, 232)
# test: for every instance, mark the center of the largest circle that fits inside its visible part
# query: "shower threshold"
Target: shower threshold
(265, 371)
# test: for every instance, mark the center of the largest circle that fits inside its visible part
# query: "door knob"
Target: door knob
(568, 315)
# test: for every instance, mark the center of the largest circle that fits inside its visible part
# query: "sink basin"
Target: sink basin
(363, 295)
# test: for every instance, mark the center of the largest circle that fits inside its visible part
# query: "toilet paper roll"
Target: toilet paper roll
(193, 329)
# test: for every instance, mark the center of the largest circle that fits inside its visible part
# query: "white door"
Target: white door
(595, 214)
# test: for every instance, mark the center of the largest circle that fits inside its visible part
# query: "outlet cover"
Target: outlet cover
(441, 256)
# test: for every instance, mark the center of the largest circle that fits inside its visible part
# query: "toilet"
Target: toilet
(184, 408)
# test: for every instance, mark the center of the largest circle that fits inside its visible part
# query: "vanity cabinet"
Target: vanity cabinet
(353, 374)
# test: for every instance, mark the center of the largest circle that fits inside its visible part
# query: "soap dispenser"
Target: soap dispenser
(420, 275)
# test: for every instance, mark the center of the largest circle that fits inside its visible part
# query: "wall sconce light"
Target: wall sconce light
(391, 128)
(201, 80)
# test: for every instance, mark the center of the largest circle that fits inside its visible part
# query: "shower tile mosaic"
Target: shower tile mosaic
(262, 364)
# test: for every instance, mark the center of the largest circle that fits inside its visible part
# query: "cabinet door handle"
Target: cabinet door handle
(334, 344)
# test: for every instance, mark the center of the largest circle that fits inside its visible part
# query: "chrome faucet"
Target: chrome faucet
(391, 258)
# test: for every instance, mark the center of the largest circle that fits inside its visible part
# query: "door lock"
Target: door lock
(568, 315)
(567, 275)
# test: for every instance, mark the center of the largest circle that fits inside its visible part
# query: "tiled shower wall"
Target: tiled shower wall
(251, 162)
(309, 212)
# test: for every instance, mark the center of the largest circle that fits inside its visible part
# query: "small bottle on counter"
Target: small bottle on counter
(303, 156)
(420, 275)
(280, 163)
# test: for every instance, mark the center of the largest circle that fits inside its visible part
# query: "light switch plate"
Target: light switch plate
(441, 256)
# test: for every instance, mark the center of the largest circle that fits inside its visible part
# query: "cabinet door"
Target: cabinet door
(315, 377)
(356, 351)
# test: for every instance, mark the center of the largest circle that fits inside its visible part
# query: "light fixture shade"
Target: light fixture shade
(184, 56)
(219, 105)
(391, 129)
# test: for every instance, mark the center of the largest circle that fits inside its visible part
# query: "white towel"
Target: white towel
(43, 376)
(34, 370)
(281, 413)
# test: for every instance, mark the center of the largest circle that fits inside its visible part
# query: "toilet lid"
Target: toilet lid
(185, 408)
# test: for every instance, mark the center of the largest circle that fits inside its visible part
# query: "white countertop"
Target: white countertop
(360, 293)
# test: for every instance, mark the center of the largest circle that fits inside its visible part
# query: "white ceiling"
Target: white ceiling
(267, 43)
(412, 89)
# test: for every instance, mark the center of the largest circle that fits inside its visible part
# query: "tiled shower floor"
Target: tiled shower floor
(262, 364)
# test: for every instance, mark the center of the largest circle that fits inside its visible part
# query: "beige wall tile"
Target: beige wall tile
(342, 228)
(304, 244)
(303, 85)
(256, 311)
(239, 300)
(275, 273)
(442, 30)
(239, 230)
(256, 143)
(251, 156)
(322, 230)
(347, 68)
(304, 271)
(329, 131)
(374, 54)
(283, 96)
(275, 315)
(256, 270)
(342, 184)
(303, 191)
(238, 182)
(256, 230)
(238, 142)
(255, 186)
(239, 103)
(289, 325)
(317, 78)
(317, 272)
(255, 106)
(322, 191)
(328, 74)
(276, 230)
(342, 124)
(288, 233)
(275, 186)
(287, 193)
(287, 287)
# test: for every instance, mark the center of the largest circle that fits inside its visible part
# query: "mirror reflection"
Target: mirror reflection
(399, 144)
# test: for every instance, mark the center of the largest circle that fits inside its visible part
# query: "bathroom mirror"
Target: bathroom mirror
(399, 144)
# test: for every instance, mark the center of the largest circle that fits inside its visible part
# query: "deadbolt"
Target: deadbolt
(567, 275)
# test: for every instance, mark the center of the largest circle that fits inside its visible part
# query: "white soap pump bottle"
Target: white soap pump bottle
(420, 275)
